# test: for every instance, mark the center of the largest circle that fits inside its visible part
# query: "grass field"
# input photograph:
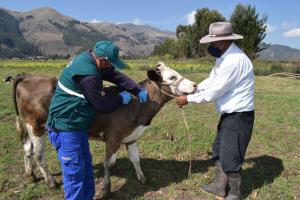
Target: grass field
(271, 169)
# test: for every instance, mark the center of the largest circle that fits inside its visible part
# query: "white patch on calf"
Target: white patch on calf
(27, 147)
(136, 133)
(112, 160)
(38, 143)
(38, 149)
(28, 157)
(107, 165)
(172, 78)
(101, 134)
(186, 86)
(133, 154)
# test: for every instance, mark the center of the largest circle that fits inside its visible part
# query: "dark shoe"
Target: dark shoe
(234, 183)
(218, 186)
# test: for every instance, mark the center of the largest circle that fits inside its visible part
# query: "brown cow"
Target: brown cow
(32, 96)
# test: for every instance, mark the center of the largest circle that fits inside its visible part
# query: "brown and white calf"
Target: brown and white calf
(32, 96)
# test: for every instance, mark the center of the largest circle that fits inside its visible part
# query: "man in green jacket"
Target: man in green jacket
(78, 96)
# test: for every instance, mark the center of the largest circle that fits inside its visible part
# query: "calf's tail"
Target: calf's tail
(19, 125)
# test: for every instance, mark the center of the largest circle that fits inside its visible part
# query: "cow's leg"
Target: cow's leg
(28, 159)
(28, 149)
(110, 160)
(133, 154)
(39, 151)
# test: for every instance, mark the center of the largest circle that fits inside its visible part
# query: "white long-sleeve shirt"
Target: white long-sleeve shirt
(230, 84)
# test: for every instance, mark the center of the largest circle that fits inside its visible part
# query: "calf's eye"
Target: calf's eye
(173, 78)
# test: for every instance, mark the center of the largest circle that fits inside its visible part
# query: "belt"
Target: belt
(53, 129)
(233, 113)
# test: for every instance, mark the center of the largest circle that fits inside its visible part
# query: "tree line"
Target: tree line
(244, 19)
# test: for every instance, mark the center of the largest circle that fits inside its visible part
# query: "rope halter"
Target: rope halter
(176, 84)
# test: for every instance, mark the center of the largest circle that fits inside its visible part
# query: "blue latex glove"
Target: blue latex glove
(143, 95)
(126, 97)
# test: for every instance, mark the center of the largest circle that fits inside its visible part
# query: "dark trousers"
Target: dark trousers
(232, 139)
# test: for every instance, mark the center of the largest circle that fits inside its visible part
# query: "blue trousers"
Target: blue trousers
(76, 163)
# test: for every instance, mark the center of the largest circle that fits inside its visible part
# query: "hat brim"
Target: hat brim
(119, 64)
(208, 38)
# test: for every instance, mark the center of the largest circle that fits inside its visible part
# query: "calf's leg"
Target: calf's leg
(133, 154)
(110, 160)
(28, 159)
(28, 149)
(39, 151)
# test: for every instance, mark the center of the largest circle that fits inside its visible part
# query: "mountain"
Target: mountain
(133, 39)
(279, 52)
(47, 32)
(12, 42)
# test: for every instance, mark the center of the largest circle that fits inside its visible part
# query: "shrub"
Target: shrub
(168, 56)
(276, 68)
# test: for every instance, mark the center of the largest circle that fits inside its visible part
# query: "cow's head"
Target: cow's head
(8, 79)
(176, 84)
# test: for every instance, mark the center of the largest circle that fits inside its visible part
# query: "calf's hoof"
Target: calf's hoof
(51, 183)
(106, 190)
(31, 178)
(142, 179)
(106, 193)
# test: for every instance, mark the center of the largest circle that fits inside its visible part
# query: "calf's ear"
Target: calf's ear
(154, 75)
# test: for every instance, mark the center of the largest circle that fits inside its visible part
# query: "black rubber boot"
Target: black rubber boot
(234, 183)
(218, 186)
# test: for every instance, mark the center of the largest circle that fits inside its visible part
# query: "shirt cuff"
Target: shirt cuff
(200, 87)
(189, 98)
(196, 98)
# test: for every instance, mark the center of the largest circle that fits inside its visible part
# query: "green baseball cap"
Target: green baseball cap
(110, 51)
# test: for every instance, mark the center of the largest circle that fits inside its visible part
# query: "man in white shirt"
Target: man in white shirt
(231, 86)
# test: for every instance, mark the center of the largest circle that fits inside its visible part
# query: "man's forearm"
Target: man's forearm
(123, 81)
(91, 88)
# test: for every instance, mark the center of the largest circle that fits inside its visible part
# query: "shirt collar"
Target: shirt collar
(228, 51)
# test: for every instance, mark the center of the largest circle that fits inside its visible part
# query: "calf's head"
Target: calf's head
(175, 83)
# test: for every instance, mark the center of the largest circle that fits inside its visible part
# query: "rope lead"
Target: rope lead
(190, 139)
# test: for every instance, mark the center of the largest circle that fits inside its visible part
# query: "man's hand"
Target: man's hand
(181, 101)
(143, 96)
(125, 96)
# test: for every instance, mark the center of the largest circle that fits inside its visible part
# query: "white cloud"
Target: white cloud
(191, 17)
(288, 25)
(95, 21)
(271, 28)
(292, 33)
(137, 21)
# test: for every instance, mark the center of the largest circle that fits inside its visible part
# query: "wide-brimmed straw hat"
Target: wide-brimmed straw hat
(220, 31)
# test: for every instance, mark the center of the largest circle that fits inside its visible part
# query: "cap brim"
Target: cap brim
(119, 64)
(208, 38)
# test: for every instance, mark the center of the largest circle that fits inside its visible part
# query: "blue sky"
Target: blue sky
(283, 16)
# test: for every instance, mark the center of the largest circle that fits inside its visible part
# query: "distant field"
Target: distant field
(271, 169)
(201, 65)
